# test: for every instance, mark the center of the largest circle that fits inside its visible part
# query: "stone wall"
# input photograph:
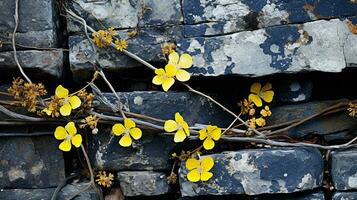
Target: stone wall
(232, 42)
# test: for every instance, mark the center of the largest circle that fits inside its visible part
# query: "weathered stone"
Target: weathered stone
(38, 63)
(259, 171)
(126, 13)
(330, 124)
(213, 28)
(264, 13)
(38, 22)
(344, 169)
(344, 196)
(147, 44)
(350, 47)
(280, 49)
(71, 189)
(25, 162)
(143, 183)
(28, 194)
(293, 90)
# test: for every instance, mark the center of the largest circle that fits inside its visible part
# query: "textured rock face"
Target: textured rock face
(345, 196)
(259, 171)
(71, 189)
(29, 194)
(334, 126)
(344, 169)
(143, 183)
(133, 13)
(25, 162)
(38, 29)
(39, 63)
(293, 90)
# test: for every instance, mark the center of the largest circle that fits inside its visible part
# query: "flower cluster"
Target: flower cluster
(91, 121)
(104, 179)
(352, 109)
(27, 94)
(175, 68)
(104, 38)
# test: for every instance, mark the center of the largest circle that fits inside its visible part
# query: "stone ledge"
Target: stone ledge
(259, 171)
(344, 169)
(344, 196)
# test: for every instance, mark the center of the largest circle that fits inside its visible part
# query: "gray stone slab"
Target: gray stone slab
(37, 63)
(344, 169)
(143, 183)
(28, 194)
(259, 171)
(344, 196)
(70, 189)
(25, 162)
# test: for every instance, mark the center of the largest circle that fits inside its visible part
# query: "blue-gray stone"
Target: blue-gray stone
(143, 183)
(293, 90)
(278, 49)
(36, 63)
(344, 196)
(74, 188)
(147, 44)
(25, 162)
(38, 23)
(259, 171)
(344, 169)
(28, 194)
(126, 13)
(264, 13)
(336, 123)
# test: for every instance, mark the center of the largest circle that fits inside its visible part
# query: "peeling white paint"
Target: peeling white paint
(16, 173)
(37, 168)
(295, 86)
(138, 100)
(301, 97)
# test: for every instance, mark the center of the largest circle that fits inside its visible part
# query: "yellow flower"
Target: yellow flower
(209, 135)
(252, 112)
(259, 93)
(121, 44)
(103, 38)
(69, 135)
(352, 109)
(165, 77)
(265, 112)
(128, 130)
(252, 122)
(181, 62)
(178, 125)
(260, 121)
(199, 169)
(246, 106)
(69, 102)
(104, 180)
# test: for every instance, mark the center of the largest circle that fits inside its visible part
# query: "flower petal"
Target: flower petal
(267, 96)
(167, 84)
(74, 101)
(126, 141)
(207, 163)
(192, 163)
(71, 128)
(266, 87)
(256, 100)
(66, 109)
(170, 125)
(183, 75)
(61, 92)
(178, 118)
(174, 58)
(255, 88)
(118, 129)
(77, 140)
(180, 136)
(65, 145)
(129, 123)
(186, 128)
(157, 80)
(170, 70)
(135, 133)
(60, 133)
(208, 144)
(205, 176)
(203, 133)
(216, 133)
(194, 176)
(160, 71)
(185, 61)
(211, 128)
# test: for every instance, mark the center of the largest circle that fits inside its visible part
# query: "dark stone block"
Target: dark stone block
(259, 171)
(143, 183)
(344, 196)
(25, 162)
(71, 189)
(28, 194)
(293, 90)
(344, 169)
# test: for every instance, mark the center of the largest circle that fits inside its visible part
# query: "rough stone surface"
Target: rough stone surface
(280, 49)
(344, 169)
(126, 13)
(259, 171)
(344, 196)
(293, 90)
(71, 189)
(147, 44)
(39, 63)
(28, 194)
(143, 183)
(350, 47)
(333, 124)
(38, 22)
(263, 13)
(25, 162)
